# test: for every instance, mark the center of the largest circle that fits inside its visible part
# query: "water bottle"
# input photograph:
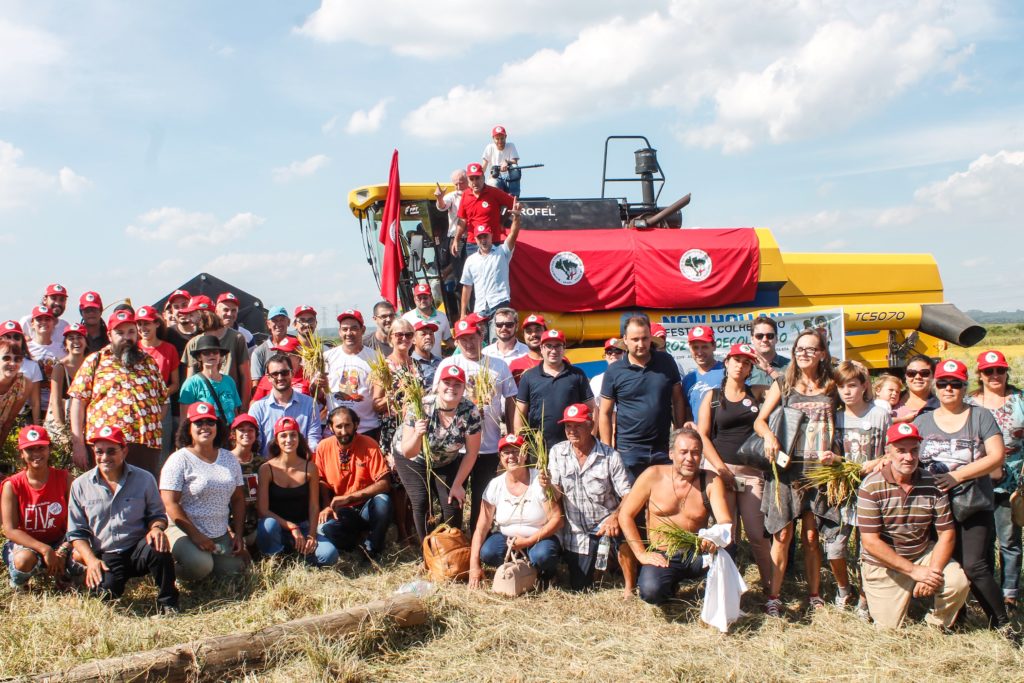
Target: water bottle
(603, 548)
(419, 588)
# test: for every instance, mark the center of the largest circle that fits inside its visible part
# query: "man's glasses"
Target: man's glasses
(923, 374)
(384, 316)
(993, 371)
(950, 384)
(280, 373)
(11, 358)
(765, 335)
(505, 324)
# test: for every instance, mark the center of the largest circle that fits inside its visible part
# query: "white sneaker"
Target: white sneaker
(843, 601)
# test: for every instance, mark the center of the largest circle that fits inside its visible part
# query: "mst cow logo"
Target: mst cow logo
(566, 268)
(695, 265)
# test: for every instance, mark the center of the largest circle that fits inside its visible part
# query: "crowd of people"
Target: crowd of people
(199, 451)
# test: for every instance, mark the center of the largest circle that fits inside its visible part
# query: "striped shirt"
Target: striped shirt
(903, 519)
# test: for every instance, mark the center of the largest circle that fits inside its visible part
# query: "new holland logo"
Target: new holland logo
(566, 268)
(695, 265)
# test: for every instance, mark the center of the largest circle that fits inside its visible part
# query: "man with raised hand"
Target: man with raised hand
(486, 273)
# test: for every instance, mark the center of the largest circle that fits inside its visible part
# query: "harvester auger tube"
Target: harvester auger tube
(949, 323)
(653, 220)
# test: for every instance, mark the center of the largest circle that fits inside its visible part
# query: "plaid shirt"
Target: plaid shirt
(591, 493)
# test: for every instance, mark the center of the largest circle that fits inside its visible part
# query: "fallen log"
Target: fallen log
(210, 658)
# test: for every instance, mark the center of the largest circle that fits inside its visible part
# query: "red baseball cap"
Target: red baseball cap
(244, 419)
(287, 345)
(511, 441)
(119, 318)
(201, 411)
(614, 343)
(107, 433)
(12, 327)
(744, 350)
(701, 333)
(992, 359)
(200, 302)
(90, 300)
(552, 336)
(474, 169)
(454, 372)
(951, 368)
(300, 310)
(535, 319)
(33, 435)
(425, 325)
(903, 430)
(481, 230)
(179, 294)
(286, 424)
(146, 313)
(42, 312)
(658, 331)
(421, 288)
(464, 327)
(351, 313)
(228, 297)
(498, 130)
(55, 290)
(75, 328)
(577, 412)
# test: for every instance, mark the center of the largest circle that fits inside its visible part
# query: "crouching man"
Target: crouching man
(900, 510)
(680, 495)
(116, 522)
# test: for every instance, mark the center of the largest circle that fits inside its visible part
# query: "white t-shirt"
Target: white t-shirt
(504, 385)
(595, 387)
(350, 374)
(518, 351)
(206, 488)
(31, 370)
(45, 357)
(493, 157)
(444, 330)
(517, 515)
(488, 274)
(451, 203)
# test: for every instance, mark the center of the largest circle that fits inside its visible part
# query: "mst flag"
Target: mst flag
(391, 237)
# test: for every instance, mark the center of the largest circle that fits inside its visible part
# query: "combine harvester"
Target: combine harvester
(588, 263)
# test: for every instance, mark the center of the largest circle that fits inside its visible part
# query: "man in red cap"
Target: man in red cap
(423, 343)
(55, 299)
(90, 307)
(182, 325)
(485, 273)
(534, 327)
(506, 345)
(348, 375)
(481, 205)
(547, 390)
(907, 537)
(119, 386)
(707, 375)
(426, 311)
(498, 158)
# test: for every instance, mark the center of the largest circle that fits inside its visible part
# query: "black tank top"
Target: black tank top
(290, 502)
(733, 424)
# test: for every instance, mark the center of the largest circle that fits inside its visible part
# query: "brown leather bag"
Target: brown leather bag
(515, 576)
(446, 553)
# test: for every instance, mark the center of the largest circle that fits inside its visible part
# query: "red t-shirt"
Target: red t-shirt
(44, 513)
(485, 210)
(365, 464)
(521, 365)
(166, 357)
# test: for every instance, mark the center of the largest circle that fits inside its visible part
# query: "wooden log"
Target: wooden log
(209, 658)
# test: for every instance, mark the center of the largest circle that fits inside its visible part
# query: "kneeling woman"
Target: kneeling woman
(517, 503)
(288, 501)
(202, 488)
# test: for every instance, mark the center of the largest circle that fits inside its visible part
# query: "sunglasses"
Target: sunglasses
(923, 374)
(993, 371)
(280, 373)
(12, 358)
(504, 324)
(950, 384)
(614, 352)
(765, 335)
(402, 335)
(205, 423)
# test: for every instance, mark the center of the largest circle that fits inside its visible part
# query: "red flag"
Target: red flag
(390, 236)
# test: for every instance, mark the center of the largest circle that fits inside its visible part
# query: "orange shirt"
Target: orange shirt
(364, 464)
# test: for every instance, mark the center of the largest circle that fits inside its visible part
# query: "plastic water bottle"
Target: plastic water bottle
(419, 588)
(603, 548)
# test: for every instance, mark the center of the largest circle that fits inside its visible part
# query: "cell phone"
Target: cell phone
(740, 486)
(782, 459)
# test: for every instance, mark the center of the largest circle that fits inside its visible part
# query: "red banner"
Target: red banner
(596, 270)
(390, 236)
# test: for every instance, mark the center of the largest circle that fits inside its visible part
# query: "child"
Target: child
(860, 428)
(888, 389)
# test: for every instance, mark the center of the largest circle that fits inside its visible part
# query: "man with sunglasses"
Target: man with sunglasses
(284, 401)
(506, 346)
(770, 366)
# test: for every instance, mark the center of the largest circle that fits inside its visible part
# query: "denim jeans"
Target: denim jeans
(1009, 543)
(274, 539)
(639, 458)
(657, 585)
(544, 554)
(346, 532)
(20, 578)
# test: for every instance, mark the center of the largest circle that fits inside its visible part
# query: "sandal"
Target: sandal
(816, 602)
(773, 607)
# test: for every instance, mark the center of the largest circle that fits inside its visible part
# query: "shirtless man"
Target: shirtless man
(679, 494)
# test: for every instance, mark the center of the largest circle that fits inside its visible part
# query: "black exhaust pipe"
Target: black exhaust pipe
(949, 323)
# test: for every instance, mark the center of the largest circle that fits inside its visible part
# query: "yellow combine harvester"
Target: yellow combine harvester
(587, 263)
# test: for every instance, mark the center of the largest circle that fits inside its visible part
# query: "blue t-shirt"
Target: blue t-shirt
(643, 399)
(697, 383)
(195, 389)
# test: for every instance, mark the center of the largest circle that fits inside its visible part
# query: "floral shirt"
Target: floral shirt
(1010, 418)
(129, 398)
(446, 442)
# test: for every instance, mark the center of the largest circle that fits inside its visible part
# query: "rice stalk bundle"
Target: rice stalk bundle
(775, 473)
(311, 354)
(483, 388)
(383, 376)
(536, 447)
(839, 480)
(412, 390)
(673, 539)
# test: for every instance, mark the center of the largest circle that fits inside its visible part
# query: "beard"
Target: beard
(128, 353)
(345, 439)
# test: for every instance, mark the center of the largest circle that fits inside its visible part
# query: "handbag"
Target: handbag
(785, 423)
(974, 495)
(446, 554)
(516, 575)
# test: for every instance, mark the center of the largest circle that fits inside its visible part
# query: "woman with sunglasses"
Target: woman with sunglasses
(961, 443)
(808, 386)
(919, 397)
(14, 388)
(1006, 403)
(11, 331)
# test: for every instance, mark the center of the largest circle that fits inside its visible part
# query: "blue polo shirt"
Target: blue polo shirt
(697, 383)
(302, 408)
(643, 399)
(549, 396)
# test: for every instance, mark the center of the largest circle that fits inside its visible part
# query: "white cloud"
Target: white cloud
(71, 182)
(329, 125)
(300, 169)
(737, 74)
(21, 184)
(991, 186)
(188, 229)
(30, 58)
(368, 121)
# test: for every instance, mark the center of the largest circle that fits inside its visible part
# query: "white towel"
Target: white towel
(724, 585)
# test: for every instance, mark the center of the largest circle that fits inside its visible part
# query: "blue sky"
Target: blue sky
(142, 143)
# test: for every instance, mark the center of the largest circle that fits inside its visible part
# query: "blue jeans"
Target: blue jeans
(274, 539)
(1009, 543)
(639, 458)
(544, 554)
(346, 532)
(20, 578)
(658, 585)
